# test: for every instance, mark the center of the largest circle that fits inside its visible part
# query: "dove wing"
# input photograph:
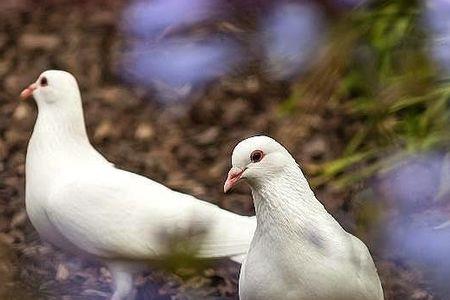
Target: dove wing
(115, 214)
(366, 270)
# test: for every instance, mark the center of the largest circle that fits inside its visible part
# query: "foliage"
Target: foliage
(377, 72)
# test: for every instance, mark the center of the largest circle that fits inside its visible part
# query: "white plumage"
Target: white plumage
(80, 202)
(299, 250)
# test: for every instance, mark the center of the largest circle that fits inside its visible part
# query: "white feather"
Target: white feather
(111, 213)
(299, 250)
(80, 202)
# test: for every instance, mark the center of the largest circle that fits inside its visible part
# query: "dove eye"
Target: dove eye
(44, 81)
(256, 156)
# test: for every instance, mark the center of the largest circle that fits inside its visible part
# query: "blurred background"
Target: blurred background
(358, 91)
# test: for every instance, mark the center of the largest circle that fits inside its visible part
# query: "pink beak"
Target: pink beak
(28, 91)
(233, 177)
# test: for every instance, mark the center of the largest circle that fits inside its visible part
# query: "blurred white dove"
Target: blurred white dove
(80, 202)
(299, 250)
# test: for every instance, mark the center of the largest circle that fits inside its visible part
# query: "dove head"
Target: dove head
(59, 104)
(257, 159)
(54, 88)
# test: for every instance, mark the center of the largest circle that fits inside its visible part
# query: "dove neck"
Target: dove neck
(286, 202)
(59, 145)
(60, 129)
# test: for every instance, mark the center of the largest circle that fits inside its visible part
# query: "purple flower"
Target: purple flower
(151, 18)
(437, 20)
(291, 34)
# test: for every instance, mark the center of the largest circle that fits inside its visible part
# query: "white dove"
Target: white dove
(80, 202)
(299, 251)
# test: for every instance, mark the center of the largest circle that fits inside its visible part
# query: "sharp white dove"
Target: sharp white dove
(80, 202)
(299, 251)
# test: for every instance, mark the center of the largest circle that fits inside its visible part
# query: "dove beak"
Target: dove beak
(234, 175)
(28, 91)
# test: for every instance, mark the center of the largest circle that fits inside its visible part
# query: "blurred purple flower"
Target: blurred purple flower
(151, 18)
(437, 20)
(348, 3)
(437, 12)
(414, 182)
(173, 65)
(290, 36)
(180, 62)
(412, 187)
